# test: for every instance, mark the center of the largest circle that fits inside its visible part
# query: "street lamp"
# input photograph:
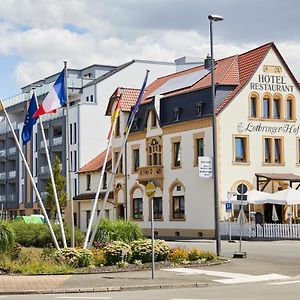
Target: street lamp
(214, 18)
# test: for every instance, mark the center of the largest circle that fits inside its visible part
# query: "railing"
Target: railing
(2, 153)
(12, 151)
(57, 141)
(43, 195)
(45, 170)
(12, 174)
(2, 198)
(268, 231)
(42, 144)
(59, 113)
(11, 198)
(4, 128)
(2, 176)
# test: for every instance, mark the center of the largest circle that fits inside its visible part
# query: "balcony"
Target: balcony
(2, 153)
(12, 174)
(57, 141)
(5, 128)
(11, 198)
(148, 173)
(2, 176)
(2, 198)
(42, 144)
(11, 151)
(43, 195)
(45, 170)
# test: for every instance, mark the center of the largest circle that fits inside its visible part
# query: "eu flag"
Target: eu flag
(29, 121)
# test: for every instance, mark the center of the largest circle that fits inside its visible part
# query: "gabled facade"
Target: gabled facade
(257, 106)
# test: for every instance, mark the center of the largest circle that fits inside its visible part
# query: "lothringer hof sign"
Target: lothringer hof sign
(205, 164)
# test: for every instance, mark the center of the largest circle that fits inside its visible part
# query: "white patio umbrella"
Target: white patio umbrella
(252, 196)
(289, 196)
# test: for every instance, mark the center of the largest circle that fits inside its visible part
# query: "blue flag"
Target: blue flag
(29, 121)
(137, 104)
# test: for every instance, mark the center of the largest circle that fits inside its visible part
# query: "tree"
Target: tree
(60, 182)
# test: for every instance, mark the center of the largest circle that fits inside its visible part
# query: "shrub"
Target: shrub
(208, 256)
(85, 258)
(195, 254)
(118, 230)
(98, 257)
(67, 256)
(117, 251)
(178, 255)
(38, 235)
(7, 236)
(16, 251)
(142, 250)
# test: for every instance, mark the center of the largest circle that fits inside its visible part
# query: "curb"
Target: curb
(105, 289)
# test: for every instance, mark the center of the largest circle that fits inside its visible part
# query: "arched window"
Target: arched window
(266, 106)
(277, 106)
(154, 151)
(136, 201)
(290, 108)
(177, 201)
(254, 105)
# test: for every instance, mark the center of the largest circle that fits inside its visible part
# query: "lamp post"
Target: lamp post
(214, 18)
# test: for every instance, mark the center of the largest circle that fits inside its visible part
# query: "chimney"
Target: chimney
(207, 62)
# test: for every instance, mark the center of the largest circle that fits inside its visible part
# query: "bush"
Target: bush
(85, 258)
(38, 235)
(116, 252)
(67, 256)
(142, 250)
(118, 230)
(208, 256)
(7, 236)
(195, 254)
(178, 255)
(98, 257)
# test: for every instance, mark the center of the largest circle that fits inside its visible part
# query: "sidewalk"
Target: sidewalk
(50, 284)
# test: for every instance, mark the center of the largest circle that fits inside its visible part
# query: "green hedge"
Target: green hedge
(38, 235)
(117, 252)
(7, 236)
(118, 230)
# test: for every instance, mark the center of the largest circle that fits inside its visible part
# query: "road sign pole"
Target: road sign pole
(152, 237)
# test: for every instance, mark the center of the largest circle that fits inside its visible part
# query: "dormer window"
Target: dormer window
(135, 124)
(176, 113)
(199, 109)
(153, 119)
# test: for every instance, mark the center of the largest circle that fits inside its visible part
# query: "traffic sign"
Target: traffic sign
(242, 189)
(228, 206)
(150, 189)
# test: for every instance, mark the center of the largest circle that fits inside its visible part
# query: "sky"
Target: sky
(36, 36)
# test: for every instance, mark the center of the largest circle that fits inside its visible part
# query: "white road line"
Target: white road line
(284, 282)
(186, 299)
(233, 277)
(82, 297)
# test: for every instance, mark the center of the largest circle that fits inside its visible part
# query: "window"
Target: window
(135, 123)
(88, 182)
(254, 106)
(71, 134)
(153, 119)
(176, 114)
(298, 155)
(178, 210)
(290, 108)
(75, 186)
(157, 208)
(241, 149)
(176, 154)
(104, 181)
(87, 98)
(92, 98)
(198, 146)
(36, 142)
(117, 127)
(266, 108)
(75, 134)
(199, 109)
(154, 151)
(137, 209)
(120, 166)
(276, 108)
(88, 217)
(136, 159)
(273, 150)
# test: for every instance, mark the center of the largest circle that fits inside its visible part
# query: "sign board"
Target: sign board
(205, 166)
(242, 189)
(228, 206)
(150, 189)
(239, 197)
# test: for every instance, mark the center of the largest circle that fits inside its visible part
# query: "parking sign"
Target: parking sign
(228, 206)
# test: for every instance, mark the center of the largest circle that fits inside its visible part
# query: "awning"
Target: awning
(267, 177)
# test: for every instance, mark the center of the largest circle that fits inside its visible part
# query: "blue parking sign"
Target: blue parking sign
(228, 206)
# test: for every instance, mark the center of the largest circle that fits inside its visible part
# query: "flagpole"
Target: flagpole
(115, 168)
(69, 167)
(31, 177)
(52, 178)
(100, 182)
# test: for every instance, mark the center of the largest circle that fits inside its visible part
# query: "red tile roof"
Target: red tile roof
(129, 97)
(96, 163)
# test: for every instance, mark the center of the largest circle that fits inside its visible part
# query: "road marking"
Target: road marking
(82, 297)
(233, 277)
(186, 299)
(284, 282)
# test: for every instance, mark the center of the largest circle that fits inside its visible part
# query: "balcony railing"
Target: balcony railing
(45, 170)
(57, 141)
(11, 198)
(42, 144)
(5, 127)
(43, 195)
(2, 198)
(2, 153)
(12, 151)
(150, 173)
(2, 176)
(12, 174)
(59, 113)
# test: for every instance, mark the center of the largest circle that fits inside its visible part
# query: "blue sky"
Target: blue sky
(37, 36)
